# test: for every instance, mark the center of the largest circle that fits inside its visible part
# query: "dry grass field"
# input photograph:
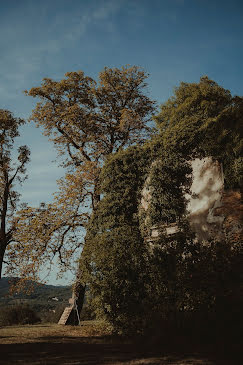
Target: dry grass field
(89, 344)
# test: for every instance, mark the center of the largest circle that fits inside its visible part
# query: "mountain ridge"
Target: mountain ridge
(44, 298)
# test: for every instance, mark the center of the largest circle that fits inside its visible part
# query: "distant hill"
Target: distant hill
(43, 298)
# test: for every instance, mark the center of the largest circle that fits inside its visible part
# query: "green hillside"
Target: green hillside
(47, 300)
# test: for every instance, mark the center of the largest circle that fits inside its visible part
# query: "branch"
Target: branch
(75, 145)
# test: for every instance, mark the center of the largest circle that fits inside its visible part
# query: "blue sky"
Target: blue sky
(174, 40)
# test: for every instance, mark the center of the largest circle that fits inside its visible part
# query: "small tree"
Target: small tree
(10, 172)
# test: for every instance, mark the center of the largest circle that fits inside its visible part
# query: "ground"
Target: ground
(89, 344)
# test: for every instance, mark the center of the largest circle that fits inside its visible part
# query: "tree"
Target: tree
(114, 262)
(10, 173)
(87, 122)
(201, 119)
(204, 119)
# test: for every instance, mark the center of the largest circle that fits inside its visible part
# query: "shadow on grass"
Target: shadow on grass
(102, 350)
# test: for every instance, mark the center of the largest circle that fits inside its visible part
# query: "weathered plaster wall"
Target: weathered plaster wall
(212, 212)
(206, 194)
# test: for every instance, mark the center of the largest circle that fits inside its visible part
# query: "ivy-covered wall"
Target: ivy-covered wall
(153, 187)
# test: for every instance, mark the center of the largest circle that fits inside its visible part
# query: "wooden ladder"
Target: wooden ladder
(65, 315)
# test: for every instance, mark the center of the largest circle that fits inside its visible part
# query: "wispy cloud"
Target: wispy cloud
(26, 47)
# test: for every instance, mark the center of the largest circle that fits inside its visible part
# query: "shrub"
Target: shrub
(18, 314)
(87, 313)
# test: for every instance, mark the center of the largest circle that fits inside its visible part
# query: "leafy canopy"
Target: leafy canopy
(204, 119)
(87, 122)
(10, 173)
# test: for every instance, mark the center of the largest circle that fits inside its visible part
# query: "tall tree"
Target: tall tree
(10, 173)
(204, 119)
(87, 122)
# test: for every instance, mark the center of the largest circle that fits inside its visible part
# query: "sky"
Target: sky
(173, 40)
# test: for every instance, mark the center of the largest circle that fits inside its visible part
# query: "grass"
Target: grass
(39, 332)
(88, 344)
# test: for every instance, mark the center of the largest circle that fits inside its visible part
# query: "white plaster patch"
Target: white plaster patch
(206, 194)
(207, 185)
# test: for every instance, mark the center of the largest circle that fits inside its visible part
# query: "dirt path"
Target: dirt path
(52, 344)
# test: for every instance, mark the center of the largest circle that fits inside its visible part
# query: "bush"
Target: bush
(87, 313)
(18, 314)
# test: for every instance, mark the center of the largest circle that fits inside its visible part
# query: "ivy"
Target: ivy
(136, 280)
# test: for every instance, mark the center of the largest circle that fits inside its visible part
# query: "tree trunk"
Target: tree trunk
(79, 288)
(80, 293)
(2, 252)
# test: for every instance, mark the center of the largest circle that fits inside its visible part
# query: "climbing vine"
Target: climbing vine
(136, 279)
